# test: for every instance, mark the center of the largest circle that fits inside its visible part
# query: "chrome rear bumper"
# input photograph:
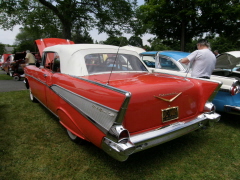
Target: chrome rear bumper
(139, 142)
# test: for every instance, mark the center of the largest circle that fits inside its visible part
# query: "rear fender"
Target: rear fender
(67, 121)
(208, 89)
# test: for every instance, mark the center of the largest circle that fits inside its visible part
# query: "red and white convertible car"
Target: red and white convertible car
(106, 95)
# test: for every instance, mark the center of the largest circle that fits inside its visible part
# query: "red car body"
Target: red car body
(121, 111)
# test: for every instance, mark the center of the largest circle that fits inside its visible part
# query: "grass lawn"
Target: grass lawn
(33, 145)
(4, 76)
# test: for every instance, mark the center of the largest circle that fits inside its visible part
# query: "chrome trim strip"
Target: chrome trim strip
(124, 106)
(101, 116)
(232, 109)
(36, 79)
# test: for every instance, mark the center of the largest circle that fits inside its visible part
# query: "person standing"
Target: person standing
(203, 60)
(29, 59)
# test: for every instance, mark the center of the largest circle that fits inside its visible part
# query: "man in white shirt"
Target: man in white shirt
(203, 60)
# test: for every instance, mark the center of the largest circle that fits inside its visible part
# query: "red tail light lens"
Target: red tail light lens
(234, 90)
(123, 136)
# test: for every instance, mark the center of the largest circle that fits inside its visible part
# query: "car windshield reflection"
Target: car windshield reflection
(98, 63)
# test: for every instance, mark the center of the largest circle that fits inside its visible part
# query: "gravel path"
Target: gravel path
(11, 85)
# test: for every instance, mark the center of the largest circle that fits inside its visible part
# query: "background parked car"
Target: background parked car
(123, 108)
(227, 65)
(16, 69)
(7, 63)
(1, 61)
(228, 97)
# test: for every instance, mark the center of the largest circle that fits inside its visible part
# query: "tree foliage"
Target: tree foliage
(117, 41)
(25, 40)
(223, 44)
(123, 41)
(2, 48)
(80, 37)
(135, 41)
(69, 16)
(179, 22)
(157, 44)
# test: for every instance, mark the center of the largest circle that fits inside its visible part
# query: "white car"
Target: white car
(227, 65)
(228, 97)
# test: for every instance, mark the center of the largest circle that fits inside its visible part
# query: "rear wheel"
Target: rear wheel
(32, 98)
(16, 78)
(74, 138)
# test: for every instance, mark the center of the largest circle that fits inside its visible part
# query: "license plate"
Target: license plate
(169, 114)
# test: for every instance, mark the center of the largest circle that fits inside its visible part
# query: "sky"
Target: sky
(8, 37)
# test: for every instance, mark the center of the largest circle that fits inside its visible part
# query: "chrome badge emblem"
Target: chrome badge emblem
(170, 94)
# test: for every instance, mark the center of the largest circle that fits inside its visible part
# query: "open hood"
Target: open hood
(43, 43)
(228, 60)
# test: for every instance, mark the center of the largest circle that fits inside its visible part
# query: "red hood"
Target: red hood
(43, 43)
(151, 93)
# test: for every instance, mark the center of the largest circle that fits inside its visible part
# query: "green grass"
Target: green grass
(4, 76)
(33, 145)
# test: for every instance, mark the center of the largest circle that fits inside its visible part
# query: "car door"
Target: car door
(44, 75)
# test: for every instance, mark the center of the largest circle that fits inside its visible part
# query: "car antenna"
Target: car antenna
(188, 69)
(114, 61)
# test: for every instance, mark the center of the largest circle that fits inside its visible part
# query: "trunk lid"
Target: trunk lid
(153, 96)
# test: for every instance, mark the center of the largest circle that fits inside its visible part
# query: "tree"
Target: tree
(82, 38)
(2, 48)
(223, 44)
(69, 16)
(157, 45)
(25, 40)
(117, 41)
(135, 41)
(180, 21)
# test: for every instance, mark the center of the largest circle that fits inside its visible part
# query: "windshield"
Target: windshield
(97, 63)
(186, 66)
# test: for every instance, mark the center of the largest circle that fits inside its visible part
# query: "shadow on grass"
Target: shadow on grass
(230, 120)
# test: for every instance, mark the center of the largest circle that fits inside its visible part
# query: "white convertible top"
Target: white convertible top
(72, 55)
